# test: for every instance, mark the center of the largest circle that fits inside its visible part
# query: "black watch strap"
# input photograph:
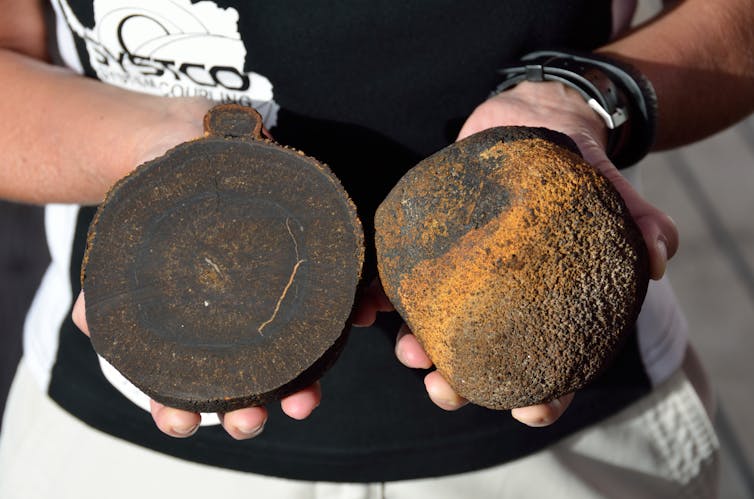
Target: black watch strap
(617, 92)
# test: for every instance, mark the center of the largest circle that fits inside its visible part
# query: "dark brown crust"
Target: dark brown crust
(515, 263)
(223, 274)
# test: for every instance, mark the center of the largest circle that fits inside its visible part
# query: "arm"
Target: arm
(698, 57)
(66, 138)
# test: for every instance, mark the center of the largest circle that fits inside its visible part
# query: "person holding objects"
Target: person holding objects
(92, 89)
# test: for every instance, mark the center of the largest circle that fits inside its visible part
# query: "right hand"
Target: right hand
(240, 424)
(182, 120)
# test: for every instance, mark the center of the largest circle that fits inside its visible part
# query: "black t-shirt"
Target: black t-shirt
(370, 88)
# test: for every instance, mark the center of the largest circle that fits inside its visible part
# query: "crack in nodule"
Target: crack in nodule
(298, 263)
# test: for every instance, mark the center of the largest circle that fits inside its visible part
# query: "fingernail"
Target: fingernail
(250, 432)
(544, 420)
(445, 400)
(185, 431)
(539, 423)
(662, 250)
(453, 403)
(557, 407)
(555, 404)
(398, 348)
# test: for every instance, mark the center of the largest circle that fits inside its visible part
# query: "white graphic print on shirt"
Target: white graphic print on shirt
(172, 48)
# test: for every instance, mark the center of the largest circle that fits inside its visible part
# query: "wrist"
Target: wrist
(616, 92)
(556, 106)
(177, 120)
(143, 127)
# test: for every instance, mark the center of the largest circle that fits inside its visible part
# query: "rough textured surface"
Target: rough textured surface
(223, 274)
(514, 262)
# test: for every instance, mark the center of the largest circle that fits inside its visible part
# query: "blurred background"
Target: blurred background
(708, 189)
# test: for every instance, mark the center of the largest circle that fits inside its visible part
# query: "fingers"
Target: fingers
(241, 424)
(244, 423)
(371, 301)
(174, 422)
(409, 351)
(543, 414)
(661, 237)
(411, 354)
(300, 405)
(79, 314)
(441, 393)
(249, 422)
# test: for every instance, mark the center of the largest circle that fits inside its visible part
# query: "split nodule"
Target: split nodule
(223, 274)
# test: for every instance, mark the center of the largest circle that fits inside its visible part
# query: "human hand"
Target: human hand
(178, 121)
(152, 127)
(240, 424)
(411, 354)
(556, 107)
(368, 303)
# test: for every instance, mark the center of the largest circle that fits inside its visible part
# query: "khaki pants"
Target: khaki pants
(663, 446)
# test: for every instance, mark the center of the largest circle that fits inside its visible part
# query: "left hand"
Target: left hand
(557, 107)
(553, 106)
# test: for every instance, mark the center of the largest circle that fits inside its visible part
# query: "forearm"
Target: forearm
(67, 138)
(700, 59)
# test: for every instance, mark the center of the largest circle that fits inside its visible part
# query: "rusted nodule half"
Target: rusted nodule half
(514, 262)
(223, 274)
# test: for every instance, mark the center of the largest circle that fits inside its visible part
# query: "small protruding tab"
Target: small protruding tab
(535, 72)
(233, 121)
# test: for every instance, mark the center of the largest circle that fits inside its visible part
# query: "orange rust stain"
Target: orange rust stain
(505, 272)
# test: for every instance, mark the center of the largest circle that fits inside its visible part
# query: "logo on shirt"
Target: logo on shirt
(173, 48)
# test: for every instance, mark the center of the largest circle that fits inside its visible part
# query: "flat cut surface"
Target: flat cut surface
(223, 274)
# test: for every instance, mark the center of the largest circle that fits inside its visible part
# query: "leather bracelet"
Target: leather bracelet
(622, 96)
